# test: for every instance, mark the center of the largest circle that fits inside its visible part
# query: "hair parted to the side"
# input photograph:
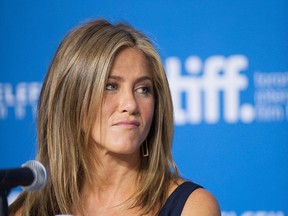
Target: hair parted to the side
(72, 91)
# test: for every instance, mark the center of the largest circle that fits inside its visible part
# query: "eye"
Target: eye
(111, 87)
(144, 90)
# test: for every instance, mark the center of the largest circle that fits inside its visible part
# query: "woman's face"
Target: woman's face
(128, 105)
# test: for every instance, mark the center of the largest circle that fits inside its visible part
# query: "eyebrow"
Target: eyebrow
(139, 79)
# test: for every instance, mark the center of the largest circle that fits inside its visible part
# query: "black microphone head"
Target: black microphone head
(40, 175)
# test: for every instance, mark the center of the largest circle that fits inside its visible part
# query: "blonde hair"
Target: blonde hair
(72, 91)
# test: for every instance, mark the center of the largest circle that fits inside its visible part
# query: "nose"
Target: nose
(128, 102)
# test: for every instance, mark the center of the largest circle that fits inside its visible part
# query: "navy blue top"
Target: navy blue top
(176, 201)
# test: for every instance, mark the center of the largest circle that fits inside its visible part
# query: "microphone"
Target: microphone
(32, 176)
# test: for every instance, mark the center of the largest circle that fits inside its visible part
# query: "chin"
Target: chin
(132, 150)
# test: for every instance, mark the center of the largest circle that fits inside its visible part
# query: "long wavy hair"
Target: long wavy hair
(72, 91)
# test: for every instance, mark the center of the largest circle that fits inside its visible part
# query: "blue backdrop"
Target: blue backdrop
(227, 63)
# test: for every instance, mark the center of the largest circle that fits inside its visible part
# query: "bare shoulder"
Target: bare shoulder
(201, 203)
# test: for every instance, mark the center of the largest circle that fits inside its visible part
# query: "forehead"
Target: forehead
(130, 61)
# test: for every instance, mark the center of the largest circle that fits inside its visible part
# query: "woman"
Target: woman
(105, 126)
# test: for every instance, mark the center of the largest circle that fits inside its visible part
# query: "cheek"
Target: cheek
(148, 109)
(149, 118)
(102, 117)
(108, 106)
(95, 133)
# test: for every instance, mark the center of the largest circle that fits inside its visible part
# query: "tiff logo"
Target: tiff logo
(202, 86)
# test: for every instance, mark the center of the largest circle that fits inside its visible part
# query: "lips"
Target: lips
(127, 123)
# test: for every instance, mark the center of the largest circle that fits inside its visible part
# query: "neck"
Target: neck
(114, 181)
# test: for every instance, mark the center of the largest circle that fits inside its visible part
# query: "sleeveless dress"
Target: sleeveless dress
(176, 201)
